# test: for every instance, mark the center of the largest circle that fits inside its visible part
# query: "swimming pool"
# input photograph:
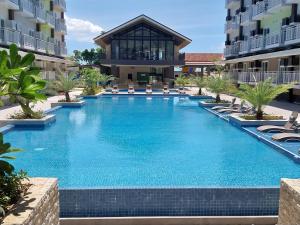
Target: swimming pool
(140, 141)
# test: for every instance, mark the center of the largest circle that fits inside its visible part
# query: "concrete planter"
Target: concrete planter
(92, 96)
(210, 105)
(237, 120)
(200, 97)
(30, 122)
(68, 104)
(39, 206)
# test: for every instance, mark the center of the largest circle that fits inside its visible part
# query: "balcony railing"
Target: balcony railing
(60, 26)
(16, 2)
(259, 8)
(37, 43)
(232, 50)
(291, 34)
(276, 77)
(256, 43)
(27, 6)
(274, 3)
(246, 16)
(50, 18)
(230, 3)
(61, 4)
(273, 40)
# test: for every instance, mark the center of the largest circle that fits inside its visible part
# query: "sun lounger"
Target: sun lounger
(239, 109)
(115, 89)
(181, 91)
(290, 126)
(131, 89)
(166, 90)
(149, 90)
(282, 137)
(225, 107)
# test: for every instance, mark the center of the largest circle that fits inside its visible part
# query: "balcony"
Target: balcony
(276, 77)
(291, 34)
(232, 3)
(60, 26)
(232, 50)
(10, 4)
(60, 5)
(244, 47)
(27, 8)
(40, 14)
(246, 17)
(259, 10)
(10, 36)
(61, 49)
(50, 19)
(257, 43)
(272, 40)
(231, 26)
(275, 5)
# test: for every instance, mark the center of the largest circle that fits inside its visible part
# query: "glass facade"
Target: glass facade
(142, 42)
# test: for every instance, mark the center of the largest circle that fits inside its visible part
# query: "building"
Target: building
(201, 63)
(263, 41)
(36, 26)
(142, 50)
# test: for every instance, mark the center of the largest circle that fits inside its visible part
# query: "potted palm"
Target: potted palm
(217, 85)
(65, 84)
(21, 82)
(259, 96)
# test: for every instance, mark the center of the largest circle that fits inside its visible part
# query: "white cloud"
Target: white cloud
(82, 30)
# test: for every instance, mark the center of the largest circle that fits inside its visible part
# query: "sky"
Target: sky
(200, 20)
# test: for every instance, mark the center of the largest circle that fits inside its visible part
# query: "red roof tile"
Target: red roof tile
(203, 57)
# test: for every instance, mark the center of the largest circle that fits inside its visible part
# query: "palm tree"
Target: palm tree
(261, 94)
(218, 85)
(200, 82)
(66, 84)
(104, 79)
(181, 81)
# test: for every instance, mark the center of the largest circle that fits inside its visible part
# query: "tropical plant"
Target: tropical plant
(91, 78)
(89, 57)
(261, 94)
(218, 85)
(200, 82)
(182, 81)
(20, 81)
(66, 83)
(219, 67)
(105, 79)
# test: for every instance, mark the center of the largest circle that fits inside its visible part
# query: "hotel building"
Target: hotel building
(36, 26)
(263, 41)
(142, 50)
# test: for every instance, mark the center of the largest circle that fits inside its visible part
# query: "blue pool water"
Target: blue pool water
(147, 142)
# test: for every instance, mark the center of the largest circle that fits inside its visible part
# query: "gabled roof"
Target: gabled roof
(202, 58)
(102, 39)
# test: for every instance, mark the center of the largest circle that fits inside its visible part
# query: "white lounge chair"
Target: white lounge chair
(232, 104)
(115, 89)
(282, 137)
(289, 127)
(149, 89)
(166, 89)
(131, 89)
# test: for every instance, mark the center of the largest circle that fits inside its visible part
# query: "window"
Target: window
(142, 42)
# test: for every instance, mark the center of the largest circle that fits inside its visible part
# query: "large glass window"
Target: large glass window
(142, 42)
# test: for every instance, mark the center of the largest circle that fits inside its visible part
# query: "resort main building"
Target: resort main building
(263, 41)
(36, 26)
(142, 50)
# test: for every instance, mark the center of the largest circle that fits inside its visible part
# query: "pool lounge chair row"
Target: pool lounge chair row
(149, 90)
(288, 132)
(233, 108)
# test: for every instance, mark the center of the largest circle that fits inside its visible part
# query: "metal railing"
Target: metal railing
(272, 39)
(274, 3)
(257, 43)
(27, 5)
(61, 3)
(60, 25)
(259, 8)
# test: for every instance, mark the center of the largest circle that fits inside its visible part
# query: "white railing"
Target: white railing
(290, 77)
(259, 8)
(272, 39)
(40, 13)
(16, 2)
(50, 18)
(292, 33)
(256, 42)
(60, 25)
(274, 3)
(243, 77)
(244, 47)
(27, 5)
(28, 42)
(60, 3)
(232, 50)
(246, 16)
(9, 36)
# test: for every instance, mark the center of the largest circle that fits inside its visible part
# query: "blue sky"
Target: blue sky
(200, 20)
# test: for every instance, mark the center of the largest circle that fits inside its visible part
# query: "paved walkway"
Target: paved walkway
(45, 105)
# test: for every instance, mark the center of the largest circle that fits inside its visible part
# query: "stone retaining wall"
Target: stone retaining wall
(289, 209)
(40, 206)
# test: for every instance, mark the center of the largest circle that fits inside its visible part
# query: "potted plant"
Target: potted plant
(21, 82)
(65, 84)
(217, 85)
(259, 96)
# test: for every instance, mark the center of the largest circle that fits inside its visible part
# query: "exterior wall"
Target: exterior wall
(125, 70)
(289, 209)
(39, 206)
